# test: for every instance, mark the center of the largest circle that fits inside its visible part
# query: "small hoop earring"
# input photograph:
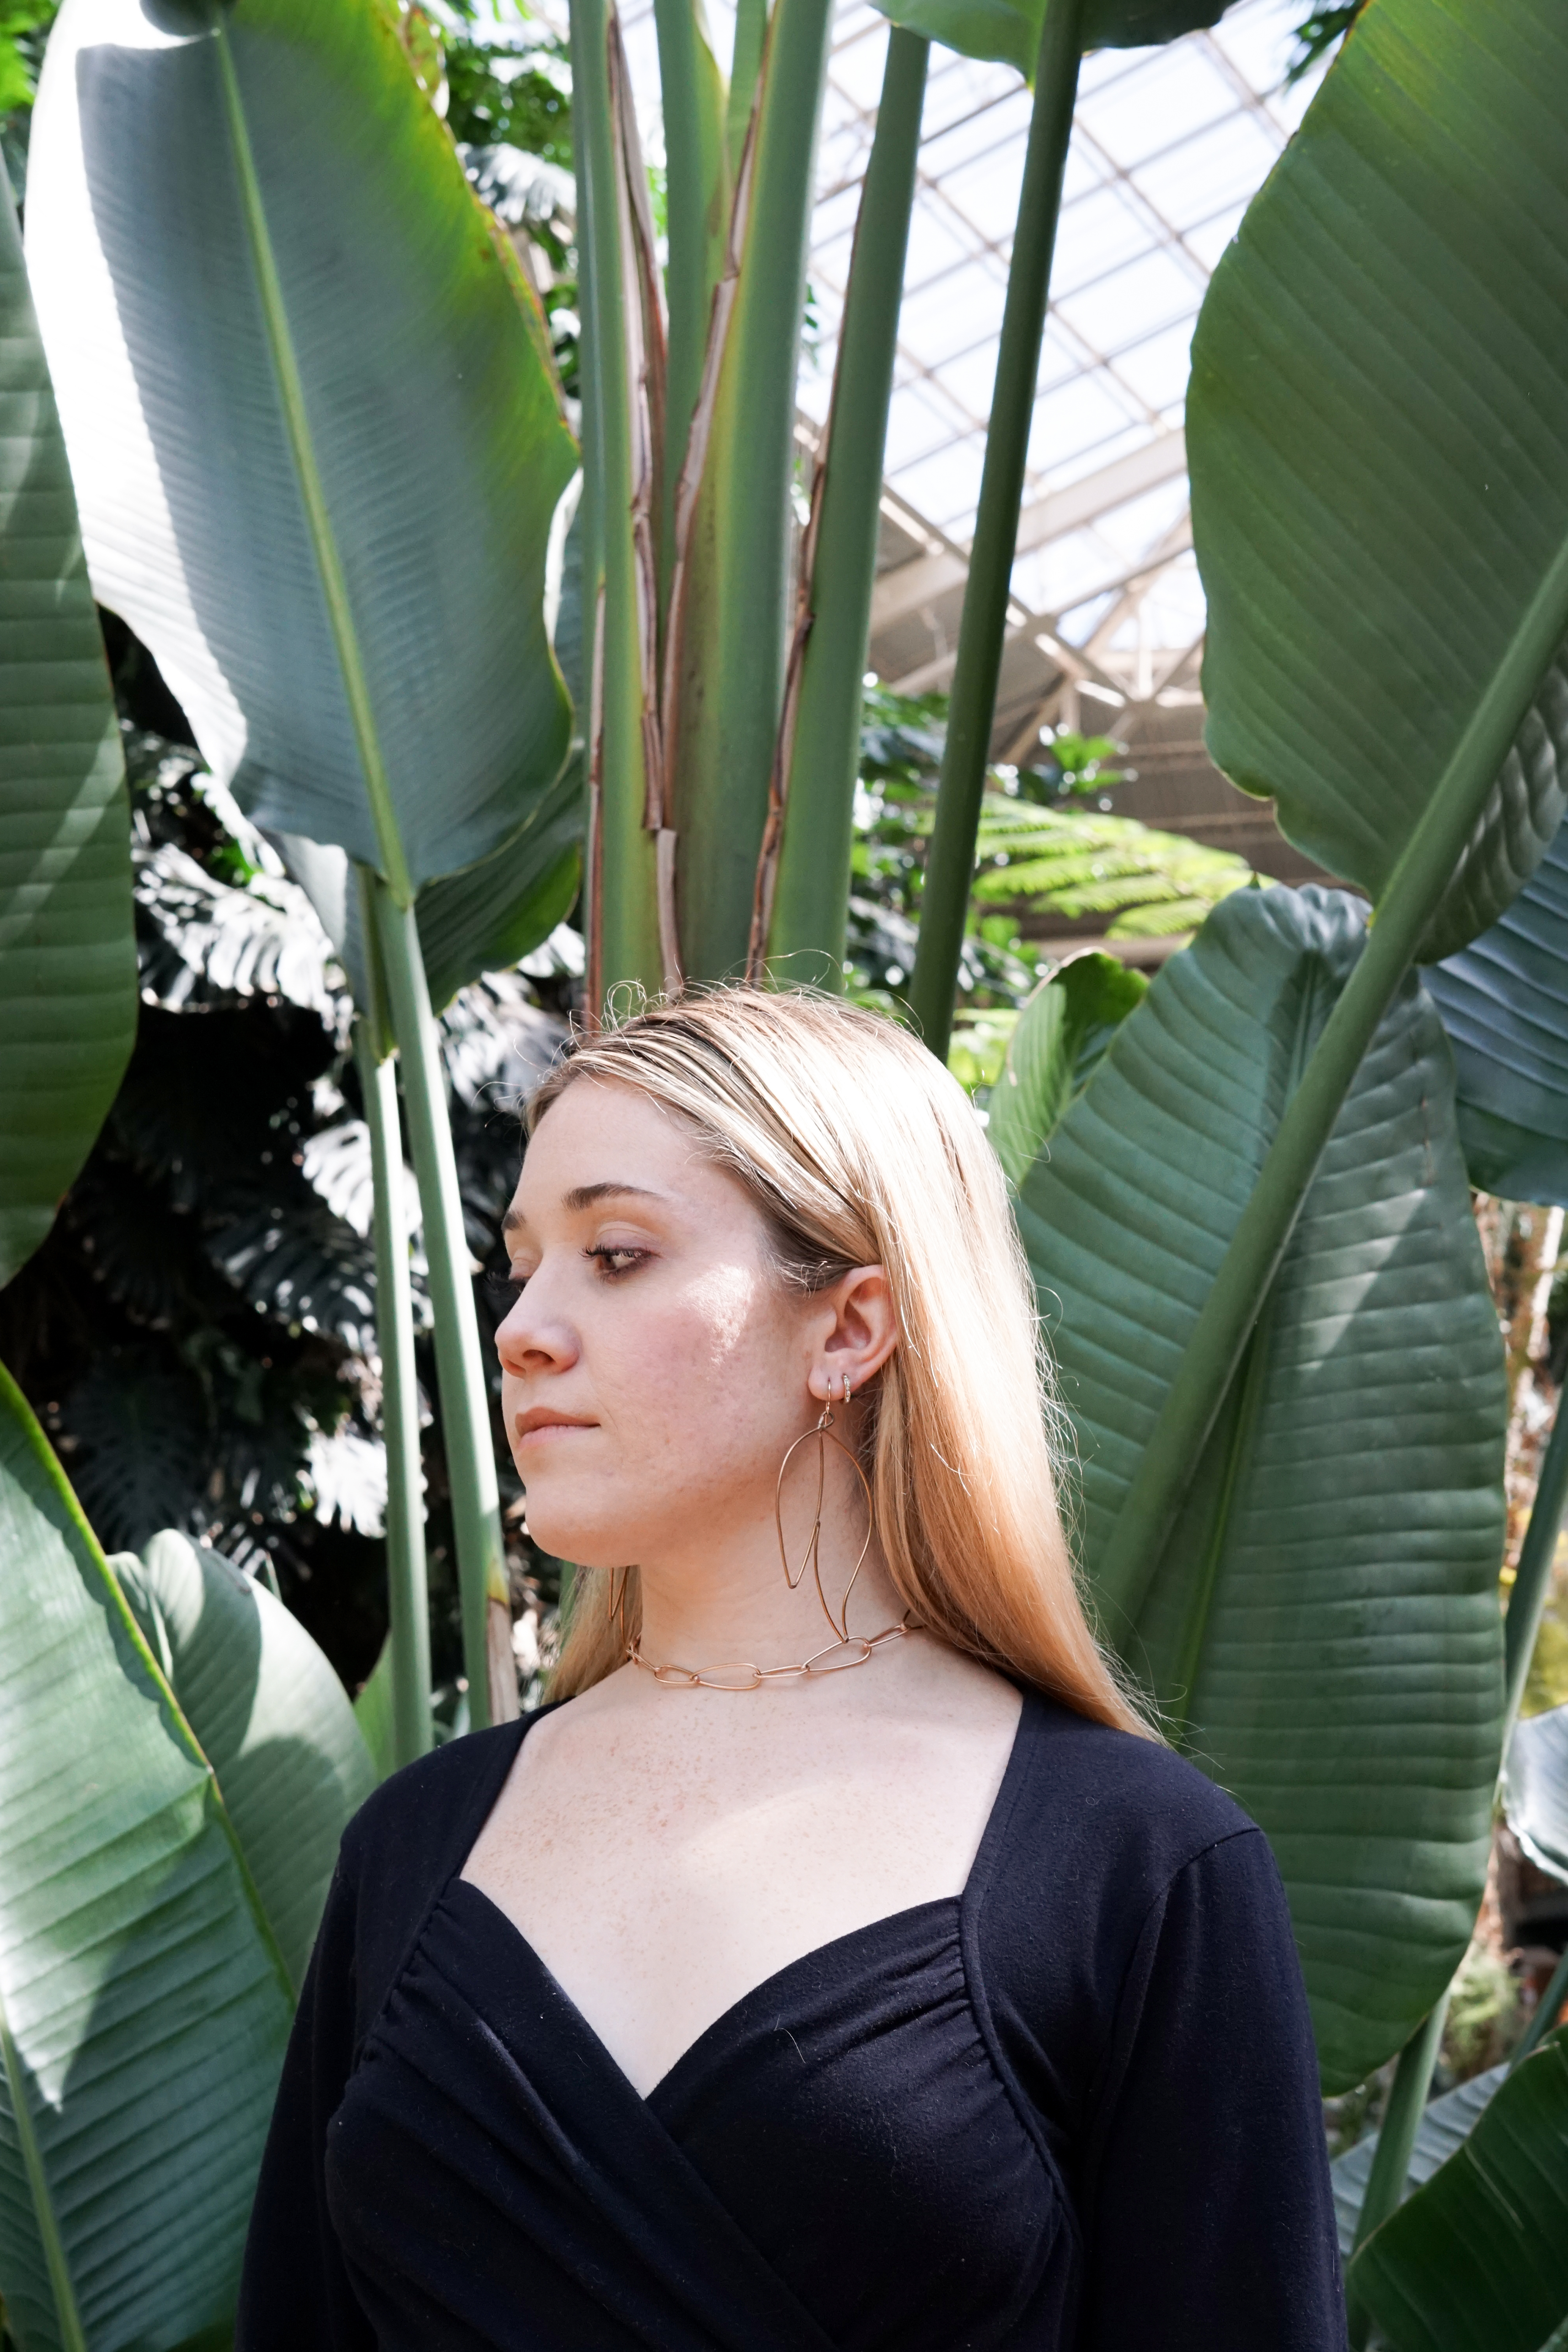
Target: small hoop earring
(811, 1557)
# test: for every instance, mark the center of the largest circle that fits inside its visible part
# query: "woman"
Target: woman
(838, 1960)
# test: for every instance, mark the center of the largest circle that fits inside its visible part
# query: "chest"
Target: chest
(662, 1873)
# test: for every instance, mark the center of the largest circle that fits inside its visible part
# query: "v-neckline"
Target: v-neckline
(959, 1904)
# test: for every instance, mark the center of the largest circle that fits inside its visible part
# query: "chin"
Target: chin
(578, 1536)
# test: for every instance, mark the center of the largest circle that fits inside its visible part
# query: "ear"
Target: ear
(855, 1331)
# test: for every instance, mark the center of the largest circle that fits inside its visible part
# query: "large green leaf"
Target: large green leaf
(1009, 30)
(1446, 2124)
(1322, 1623)
(1478, 2260)
(1379, 444)
(316, 436)
(1062, 1035)
(68, 953)
(1536, 1788)
(143, 2005)
(373, 1713)
(1504, 1003)
(272, 1718)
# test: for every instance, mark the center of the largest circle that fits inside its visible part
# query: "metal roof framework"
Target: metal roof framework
(1169, 147)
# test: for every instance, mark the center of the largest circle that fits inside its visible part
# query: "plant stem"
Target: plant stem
(820, 747)
(731, 630)
(408, 1599)
(465, 1406)
(696, 211)
(745, 65)
(1395, 2139)
(1263, 1231)
(623, 921)
(950, 864)
(1532, 1578)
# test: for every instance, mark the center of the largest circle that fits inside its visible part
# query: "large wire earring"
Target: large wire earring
(811, 1557)
(617, 1599)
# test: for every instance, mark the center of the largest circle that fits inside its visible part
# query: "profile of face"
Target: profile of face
(654, 1365)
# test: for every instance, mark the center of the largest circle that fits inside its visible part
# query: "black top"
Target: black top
(1073, 2110)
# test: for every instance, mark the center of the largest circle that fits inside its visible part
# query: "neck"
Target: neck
(730, 1603)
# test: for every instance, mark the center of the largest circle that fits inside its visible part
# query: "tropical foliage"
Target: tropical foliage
(1243, 1190)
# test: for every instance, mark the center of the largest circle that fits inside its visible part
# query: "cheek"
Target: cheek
(672, 1357)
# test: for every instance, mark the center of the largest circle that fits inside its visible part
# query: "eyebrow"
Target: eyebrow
(584, 1196)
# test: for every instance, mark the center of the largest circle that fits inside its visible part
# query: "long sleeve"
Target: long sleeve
(294, 2295)
(1208, 2215)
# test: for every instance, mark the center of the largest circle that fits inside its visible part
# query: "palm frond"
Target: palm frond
(207, 941)
(141, 1456)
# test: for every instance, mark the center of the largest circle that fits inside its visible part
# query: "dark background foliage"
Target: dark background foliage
(198, 1331)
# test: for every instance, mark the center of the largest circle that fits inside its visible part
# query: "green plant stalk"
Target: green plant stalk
(696, 198)
(745, 65)
(319, 521)
(811, 895)
(1263, 1230)
(622, 906)
(464, 1409)
(408, 1596)
(950, 862)
(67, 2318)
(736, 606)
(1532, 1578)
(1395, 2140)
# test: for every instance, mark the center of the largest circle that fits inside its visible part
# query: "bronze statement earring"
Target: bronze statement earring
(810, 1558)
(617, 1603)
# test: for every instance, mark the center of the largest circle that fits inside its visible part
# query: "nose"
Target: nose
(532, 1339)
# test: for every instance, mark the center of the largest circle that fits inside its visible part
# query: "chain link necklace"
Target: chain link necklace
(836, 1659)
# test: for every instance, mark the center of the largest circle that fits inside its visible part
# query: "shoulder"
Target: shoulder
(430, 1812)
(1094, 1827)
(1127, 1786)
(1132, 1801)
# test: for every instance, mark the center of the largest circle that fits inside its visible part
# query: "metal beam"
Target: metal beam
(937, 671)
(908, 586)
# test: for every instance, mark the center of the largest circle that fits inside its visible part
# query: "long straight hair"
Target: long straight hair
(858, 1149)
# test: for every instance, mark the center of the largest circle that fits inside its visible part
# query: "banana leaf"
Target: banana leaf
(1379, 451)
(373, 1713)
(1536, 1788)
(68, 951)
(272, 1718)
(1504, 1003)
(144, 2004)
(311, 414)
(1446, 2124)
(1063, 1032)
(1476, 2261)
(1322, 1626)
(1009, 30)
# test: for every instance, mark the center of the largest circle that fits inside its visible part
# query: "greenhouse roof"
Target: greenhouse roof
(1168, 146)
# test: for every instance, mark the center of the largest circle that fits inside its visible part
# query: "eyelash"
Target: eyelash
(507, 1289)
(613, 1272)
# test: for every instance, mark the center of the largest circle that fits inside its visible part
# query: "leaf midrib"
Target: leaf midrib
(313, 496)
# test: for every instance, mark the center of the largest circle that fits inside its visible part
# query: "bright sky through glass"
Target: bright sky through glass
(1168, 146)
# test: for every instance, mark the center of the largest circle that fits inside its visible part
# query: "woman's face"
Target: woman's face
(653, 1366)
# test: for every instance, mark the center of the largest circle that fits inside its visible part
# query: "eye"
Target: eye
(503, 1290)
(613, 1262)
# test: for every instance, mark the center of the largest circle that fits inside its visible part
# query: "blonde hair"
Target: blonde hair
(858, 1149)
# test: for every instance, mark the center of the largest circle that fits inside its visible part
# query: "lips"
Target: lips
(539, 1422)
